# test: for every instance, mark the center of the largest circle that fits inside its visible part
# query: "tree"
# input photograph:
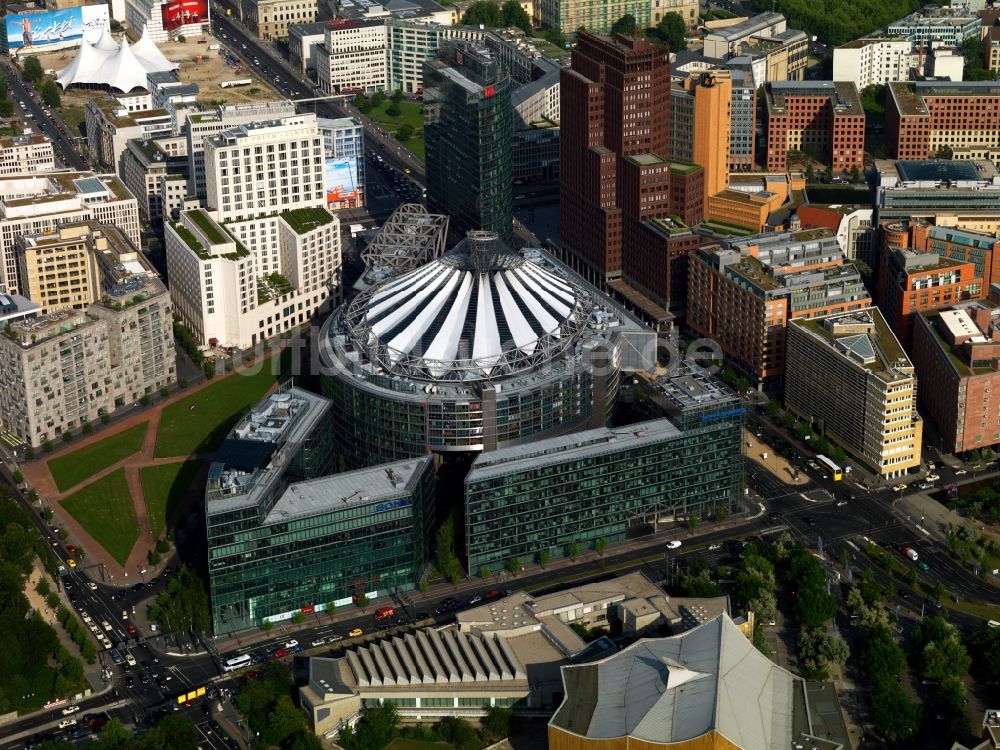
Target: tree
(485, 572)
(839, 456)
(600, 545)
(700, 585)
(810, 173)
(18, 477)
(376, 727)
(50, 93)
(47, 514)
(945, 658)
(672, 30)
(393, 110)
(404, 133)
(516, 16)
(360, 103)
(855, 174)
(485, 13)
(266, 626)
(773, 408)
(829, 174)
(787, 420)
(819, 650)
(692, 522)
(497, 721)
(361, 600)
(624, 25)
(298, 618)
(514, 565)
(397, 96)
(543, 557)
(33, 70)
(574, 551)
(183, 605)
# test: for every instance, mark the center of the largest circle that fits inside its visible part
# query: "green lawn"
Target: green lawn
(200, 422)
(74, 119)
(71, 469)
(104, 508)
(411, 113)
(164, 487)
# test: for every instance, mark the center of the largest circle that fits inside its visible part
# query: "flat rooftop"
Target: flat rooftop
(863, 337)
(843, 94)
(387, 486)
(579, 445)
(689, 389)
(909, 95)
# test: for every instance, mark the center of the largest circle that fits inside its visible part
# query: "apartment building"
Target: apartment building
(963, 245)
(961, 119)
(868, 404)
(110, 126)
(742, 295)
(852, 224)
(991, 49)
(728, 42)
(872, 61)
(265, 257)
(352, 58)
(58, 269)
(303, 41)
(742, 122)
(65, 369)
(201, 125)
(821, 117)
(689, 10)
(956, 355)
(596, 16)
(911, 282)
(26, 154)
(33, 204)
(144, 167)
(270, 19)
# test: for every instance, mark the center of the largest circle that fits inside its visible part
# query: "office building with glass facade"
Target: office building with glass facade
(285, 536)
(468, 137)
(479, 349)
(559, 496)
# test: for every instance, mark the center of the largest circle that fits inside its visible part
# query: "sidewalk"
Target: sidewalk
(39, 477)
(587, 563)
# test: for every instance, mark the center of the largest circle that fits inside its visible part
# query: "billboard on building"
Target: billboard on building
(342, 188)
(177, 13)
(56, 28)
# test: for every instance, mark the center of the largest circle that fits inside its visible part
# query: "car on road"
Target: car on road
(926, 485)
(475, 600)
(132, 630)
(841, 503)
(71, 562)
(714, 547)
(85, 617)
(356, 633)
(933, 477)
(70, 710)
(673, 544)
(91, 585)
(923, 566)
(67, 723)
(899, 488)
(318, 642)
(71, 548)
(106, 625)
(960, 472)
(281, 653)
(491, 594)
(292, 643)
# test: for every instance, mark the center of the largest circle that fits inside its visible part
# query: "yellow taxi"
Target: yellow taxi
(71, 562)
(356, 633)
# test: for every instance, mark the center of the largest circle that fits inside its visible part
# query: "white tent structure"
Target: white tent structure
(116, 65)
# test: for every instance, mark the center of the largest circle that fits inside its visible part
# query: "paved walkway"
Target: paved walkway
(766, 458)
(40, 478)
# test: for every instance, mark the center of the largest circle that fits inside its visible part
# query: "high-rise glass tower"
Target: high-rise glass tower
(468, 136)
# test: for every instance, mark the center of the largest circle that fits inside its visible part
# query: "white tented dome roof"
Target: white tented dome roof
(477, 312)
(119, 66)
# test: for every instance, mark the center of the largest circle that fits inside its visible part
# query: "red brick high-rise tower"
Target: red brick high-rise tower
(615, 173)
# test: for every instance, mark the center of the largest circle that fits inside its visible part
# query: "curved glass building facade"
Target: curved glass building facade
(480, 349)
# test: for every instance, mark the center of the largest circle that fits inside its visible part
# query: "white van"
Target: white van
(129, 659)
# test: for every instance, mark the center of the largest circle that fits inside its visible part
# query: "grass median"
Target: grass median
(104, 509)
(72, 468)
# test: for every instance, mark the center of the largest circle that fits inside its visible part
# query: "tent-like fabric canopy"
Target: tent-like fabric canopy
(117, 65)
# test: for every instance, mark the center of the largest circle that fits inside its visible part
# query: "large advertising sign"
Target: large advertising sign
(177, 13)
(342, 188)
(55, 28)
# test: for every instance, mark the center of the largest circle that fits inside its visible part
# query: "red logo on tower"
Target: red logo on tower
(488, 92)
